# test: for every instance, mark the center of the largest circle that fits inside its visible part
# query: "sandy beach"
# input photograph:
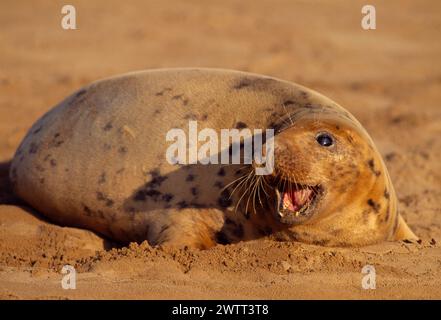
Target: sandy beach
(389, 78)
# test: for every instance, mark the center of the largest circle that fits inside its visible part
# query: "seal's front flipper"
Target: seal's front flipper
(403, 231)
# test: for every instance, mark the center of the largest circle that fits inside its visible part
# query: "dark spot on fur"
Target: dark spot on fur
(33, 148)
(190, 177)
(53, 163)
(143, 194)
(122, 150)
(140, 196)
(182, 204)
(194, 191)
(167, 197)
(157, 179)
(102, 178)
(386, 194)
(241, 125)
(80, 93)
(219, 184)
(120, 171)
(161, 93)
(153, 194)
(224, 199)
(90, 213)
(42, 180)
(374, 205)
(288, 103)
(108, 126)
(102, 197)
(181, 98)
(56, 141)
(337, 127)
(222, 238)
(304, 94)
(371, 165)
(87, 211)
(221, 172)
(109, 202)
(37, 130)
(204, 117)
(242, 84)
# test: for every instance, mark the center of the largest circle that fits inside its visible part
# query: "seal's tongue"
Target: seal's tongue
(295, 199)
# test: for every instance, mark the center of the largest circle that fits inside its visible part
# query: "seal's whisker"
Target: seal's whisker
(263, 183)
(289, 116)
(253, 194)
(242, 183)
(248, 191)
(258, 191)
(234, 181)
(259, 187)
(250, 175)
(243, 180)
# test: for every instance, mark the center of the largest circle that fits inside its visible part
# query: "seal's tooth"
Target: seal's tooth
(302, 196)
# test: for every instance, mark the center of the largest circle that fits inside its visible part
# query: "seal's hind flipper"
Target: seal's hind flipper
(403, 231)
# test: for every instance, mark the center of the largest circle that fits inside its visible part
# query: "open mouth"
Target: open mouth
(296, 203)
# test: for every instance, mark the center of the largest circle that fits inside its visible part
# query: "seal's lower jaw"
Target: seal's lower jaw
(296, 203)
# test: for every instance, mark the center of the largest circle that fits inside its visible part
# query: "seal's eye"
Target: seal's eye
(325, 139)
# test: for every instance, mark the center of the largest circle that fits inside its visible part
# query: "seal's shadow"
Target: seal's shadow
(194, 186)
(6, 194)
(185, 187)
(189, 184)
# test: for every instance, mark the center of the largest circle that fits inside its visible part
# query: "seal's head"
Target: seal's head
(331, 186)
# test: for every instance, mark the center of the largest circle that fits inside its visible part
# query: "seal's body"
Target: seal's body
(98, 160)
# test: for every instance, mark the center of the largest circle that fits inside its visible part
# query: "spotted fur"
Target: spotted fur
(97, 160)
